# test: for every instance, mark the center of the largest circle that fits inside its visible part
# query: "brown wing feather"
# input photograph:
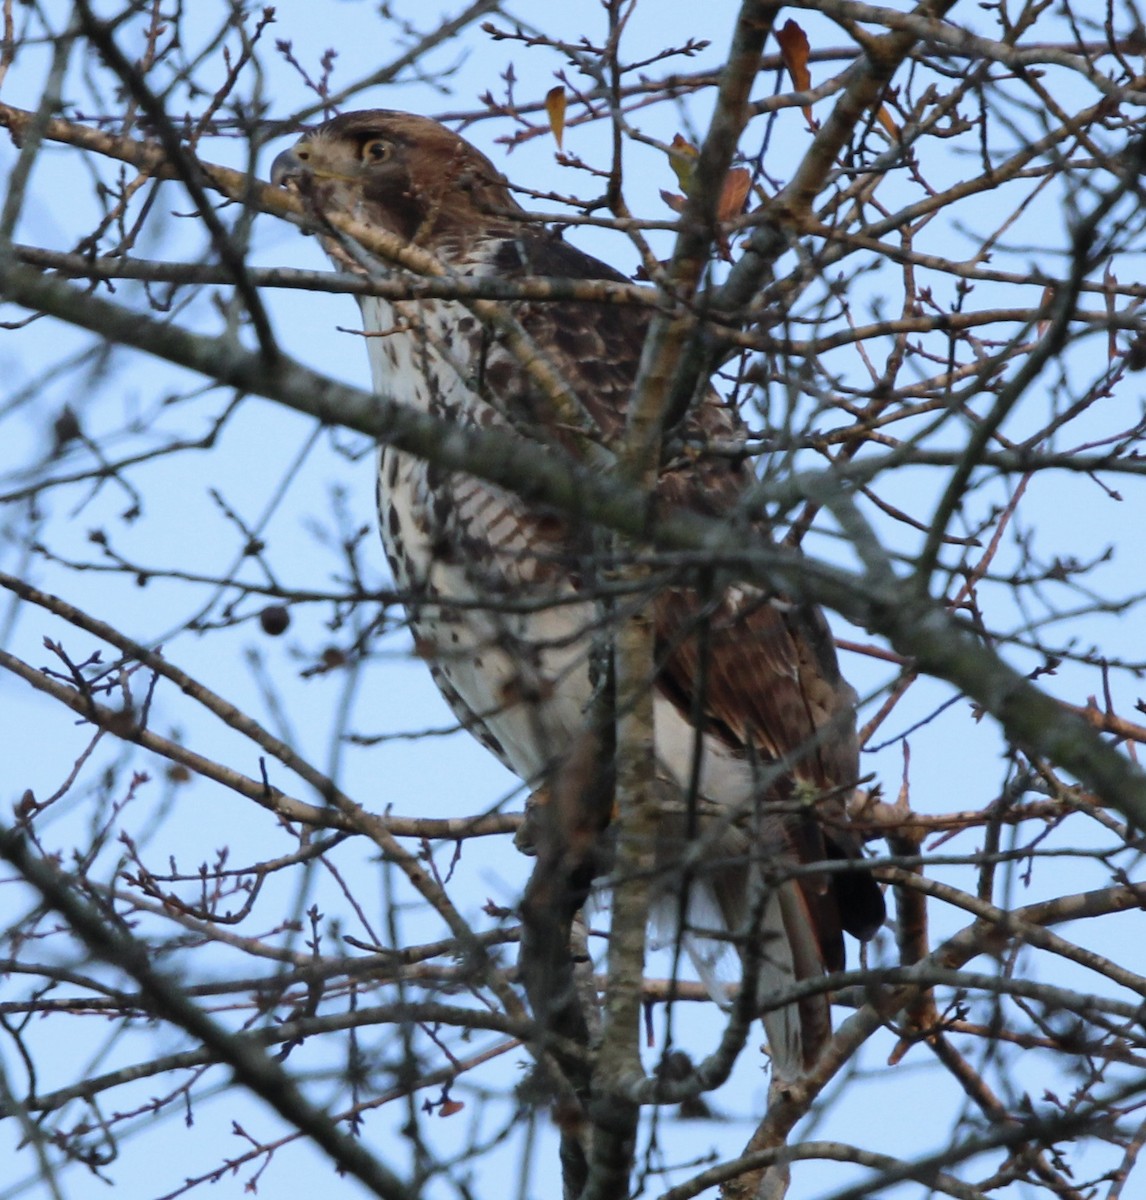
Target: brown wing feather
(772, 686)
(595, 347)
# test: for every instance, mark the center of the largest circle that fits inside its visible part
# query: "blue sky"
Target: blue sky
(270, 464)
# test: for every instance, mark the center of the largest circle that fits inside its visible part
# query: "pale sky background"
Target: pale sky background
(956, 762)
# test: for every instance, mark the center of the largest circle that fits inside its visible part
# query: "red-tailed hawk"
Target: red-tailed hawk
(502, 598)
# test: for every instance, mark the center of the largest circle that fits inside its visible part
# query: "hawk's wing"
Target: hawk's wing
(758, 673)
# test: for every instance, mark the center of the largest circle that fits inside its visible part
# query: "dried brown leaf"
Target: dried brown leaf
(737, 184)
(674, 200)
(1110, 292)
(682, 159)
(794, 50)
(1044, 303)
(555, 104)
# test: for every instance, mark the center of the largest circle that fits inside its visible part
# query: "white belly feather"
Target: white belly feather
(520, 667)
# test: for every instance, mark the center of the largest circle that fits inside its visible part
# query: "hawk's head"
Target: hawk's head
(406, 173)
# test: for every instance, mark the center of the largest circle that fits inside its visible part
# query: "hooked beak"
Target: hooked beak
(287, 167)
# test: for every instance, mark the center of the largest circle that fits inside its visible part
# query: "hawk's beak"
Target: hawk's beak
(288, 166)
(302, 162)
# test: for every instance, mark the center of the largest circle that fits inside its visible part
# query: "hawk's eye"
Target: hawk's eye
(376, 150)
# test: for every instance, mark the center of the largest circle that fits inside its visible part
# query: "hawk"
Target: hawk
(755, 729)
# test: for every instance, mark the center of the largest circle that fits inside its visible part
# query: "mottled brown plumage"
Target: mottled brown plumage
(501, 595)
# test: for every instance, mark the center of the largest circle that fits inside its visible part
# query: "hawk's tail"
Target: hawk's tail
(777, 935)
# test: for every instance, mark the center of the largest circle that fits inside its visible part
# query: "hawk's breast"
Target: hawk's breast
(491, 609)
